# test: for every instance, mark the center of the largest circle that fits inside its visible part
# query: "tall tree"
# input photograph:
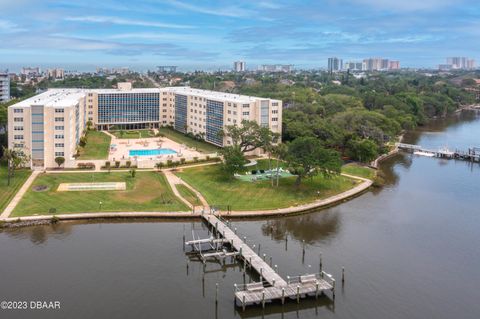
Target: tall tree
(307, 157)
(15, 159)
(233, 160)
(280, 152)
(246, 136)
(267, 140)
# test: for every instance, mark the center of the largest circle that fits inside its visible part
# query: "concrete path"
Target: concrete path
(18, 196)
(174, 180)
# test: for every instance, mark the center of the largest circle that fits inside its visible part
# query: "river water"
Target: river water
(410, 250)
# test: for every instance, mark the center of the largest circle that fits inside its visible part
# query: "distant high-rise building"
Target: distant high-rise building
(335, 64)
(30, 72)
(445, 67)
(461, 63)
(4, 87)
(277, 68)
(379, 64)
(239, 66)
(394, 65)
(353, 66)
(55, 74)
(471, 64)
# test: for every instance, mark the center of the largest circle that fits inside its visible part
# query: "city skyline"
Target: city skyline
(212, 35)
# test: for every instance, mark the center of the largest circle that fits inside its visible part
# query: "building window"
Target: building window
(18, 137)
(59, 119)
(59, 144)
(60, 128)
(59, 136)
(18, 128)
(246, 113)
(17, 110)
(18, 119)
(274, 111)
(59, 111)
(274, 119)
(246, 105)
(274, 103)
(57, 154)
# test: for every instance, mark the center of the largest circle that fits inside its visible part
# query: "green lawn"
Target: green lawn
(7, 192)
(178, 137)
(220, 190)
(190, 196)
(358, 170)
(148, 191)
(97, 147)
(133, 134)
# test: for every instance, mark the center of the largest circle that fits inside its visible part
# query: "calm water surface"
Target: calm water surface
(410, 250)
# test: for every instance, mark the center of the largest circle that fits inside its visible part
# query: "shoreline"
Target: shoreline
(293, 210)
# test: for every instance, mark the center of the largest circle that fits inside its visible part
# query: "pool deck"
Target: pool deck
(124, 146)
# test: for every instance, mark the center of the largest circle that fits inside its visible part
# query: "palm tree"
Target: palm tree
(14, 159)
(267, 142)
(280, 153)
(8, 155)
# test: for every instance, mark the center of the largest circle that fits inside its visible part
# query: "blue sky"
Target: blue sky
(212, 34)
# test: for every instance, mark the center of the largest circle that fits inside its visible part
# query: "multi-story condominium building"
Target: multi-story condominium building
(4, 87)
(353, 66)
(30, 72)
(461, 63)
(335, 64)
(394, 65)
(277, 68)
(51, 124)
(55, 74)
(239, 66)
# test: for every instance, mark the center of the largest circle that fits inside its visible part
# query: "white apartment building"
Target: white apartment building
(50, 124)
(239, 66)
(4, 87)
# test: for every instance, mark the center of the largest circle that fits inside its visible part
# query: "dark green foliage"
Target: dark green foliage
(306, 157)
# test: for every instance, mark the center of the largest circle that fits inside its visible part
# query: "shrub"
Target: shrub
(107, 164)
(195, 159)
(128, 164)
(54, 219)
(133, 172)
(182, 160)
(117, 164)
(86, 165)
(207, 158)
(169, 163)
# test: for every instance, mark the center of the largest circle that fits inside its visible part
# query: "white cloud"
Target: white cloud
(9, 27)
(231, 11)
(123, 21)
(191, 38)
(407, 5)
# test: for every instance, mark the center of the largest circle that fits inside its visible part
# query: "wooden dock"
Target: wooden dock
(472, 154)
(271, 285)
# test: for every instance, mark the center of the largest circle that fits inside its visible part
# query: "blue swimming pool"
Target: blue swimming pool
(160, 151)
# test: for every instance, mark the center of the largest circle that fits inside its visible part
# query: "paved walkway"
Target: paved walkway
(18, 196)
(174, 180)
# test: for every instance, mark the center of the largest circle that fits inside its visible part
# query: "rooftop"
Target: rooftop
(214, 94)
(54, 98)
(70, 97)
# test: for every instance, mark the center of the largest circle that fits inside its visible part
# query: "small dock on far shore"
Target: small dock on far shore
(271, 285)
(472, 154)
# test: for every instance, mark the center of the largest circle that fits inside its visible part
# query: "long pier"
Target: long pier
(472, 155)
(271, 285)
